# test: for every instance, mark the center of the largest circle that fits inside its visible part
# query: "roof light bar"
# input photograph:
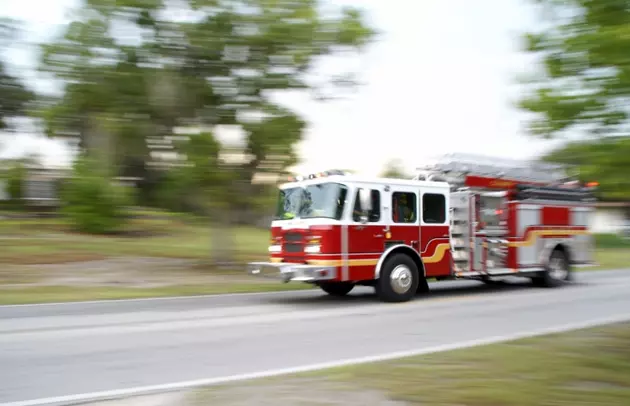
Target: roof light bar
(333, 172)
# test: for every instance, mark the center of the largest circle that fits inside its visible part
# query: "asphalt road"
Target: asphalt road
(65, 349)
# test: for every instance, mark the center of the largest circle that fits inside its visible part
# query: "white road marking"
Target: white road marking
(143, 390)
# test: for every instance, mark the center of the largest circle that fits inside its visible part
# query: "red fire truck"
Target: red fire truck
(462, 217)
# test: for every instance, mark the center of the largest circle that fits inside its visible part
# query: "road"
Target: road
(49, 351)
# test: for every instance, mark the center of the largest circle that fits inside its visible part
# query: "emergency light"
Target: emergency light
(331, 172)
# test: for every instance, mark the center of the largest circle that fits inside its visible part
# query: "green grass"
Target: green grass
(610, 258)
(579, 368)
(36, 241)
(611, 241)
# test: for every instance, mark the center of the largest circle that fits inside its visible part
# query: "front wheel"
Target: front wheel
(399, 279)
(336, 288)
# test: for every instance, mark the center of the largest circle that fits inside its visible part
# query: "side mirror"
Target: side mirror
(366, 204)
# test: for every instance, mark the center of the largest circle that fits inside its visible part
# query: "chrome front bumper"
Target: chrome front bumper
(292, 272)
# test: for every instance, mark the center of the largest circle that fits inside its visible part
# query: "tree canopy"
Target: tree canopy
(582, 89)
(584, 81)
(604, 161)
(134, 71)
(394, 169)
(14, 95)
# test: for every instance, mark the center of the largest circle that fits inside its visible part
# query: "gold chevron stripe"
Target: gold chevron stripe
(533, 235)
(437, 256)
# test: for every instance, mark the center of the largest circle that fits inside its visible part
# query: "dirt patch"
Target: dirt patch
(293, 392)
(50, 258)
(134, 272)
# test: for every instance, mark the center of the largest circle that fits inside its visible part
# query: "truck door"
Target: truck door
(404, 217)
(365, 241)
(435, 232)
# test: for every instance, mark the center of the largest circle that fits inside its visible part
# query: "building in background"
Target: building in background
(611, 217)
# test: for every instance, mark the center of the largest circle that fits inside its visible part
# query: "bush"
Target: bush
(92, 202)
(15, 178)
(612, 241)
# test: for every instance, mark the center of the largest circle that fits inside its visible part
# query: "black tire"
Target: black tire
(423, 286)
(336, 288)
(488, 280)
(408, 276)
(557, 273)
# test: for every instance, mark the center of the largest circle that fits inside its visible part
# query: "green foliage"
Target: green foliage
(604, 161)
(395, 170)
(221, 68)
(611, 241)
(585, 79)
(15, 182)
(92, 202)
(14, 96)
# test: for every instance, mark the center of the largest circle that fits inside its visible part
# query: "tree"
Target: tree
(394, 169)
(14, 96)
(583, 87)
(604, 161)
(220, 68)
(584, 83)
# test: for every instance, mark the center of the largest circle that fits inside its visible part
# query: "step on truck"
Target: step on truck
(462, 217)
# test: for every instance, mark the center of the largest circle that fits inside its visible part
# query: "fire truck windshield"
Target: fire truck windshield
(324, 200)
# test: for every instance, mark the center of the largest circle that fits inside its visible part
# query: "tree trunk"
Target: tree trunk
(222, 239)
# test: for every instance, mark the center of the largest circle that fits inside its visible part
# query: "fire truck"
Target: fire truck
(462, 217)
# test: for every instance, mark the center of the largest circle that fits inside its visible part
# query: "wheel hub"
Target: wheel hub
(400, 279)
(557, 269)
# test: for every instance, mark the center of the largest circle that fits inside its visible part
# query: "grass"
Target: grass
(610, 258)
(45, 241)
(612, 252)
(579, 368)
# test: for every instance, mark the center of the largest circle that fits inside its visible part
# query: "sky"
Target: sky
(440, 79)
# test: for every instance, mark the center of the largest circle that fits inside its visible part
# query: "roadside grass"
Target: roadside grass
(583, 367)
(610, 258)
(612, 252)
(46, 241)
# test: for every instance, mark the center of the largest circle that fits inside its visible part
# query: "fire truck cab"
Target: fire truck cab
(462, 217)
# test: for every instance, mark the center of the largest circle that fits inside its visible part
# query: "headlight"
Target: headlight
(312, 249)
(275, 249)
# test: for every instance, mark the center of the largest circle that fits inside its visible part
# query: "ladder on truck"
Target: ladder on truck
(455, 167)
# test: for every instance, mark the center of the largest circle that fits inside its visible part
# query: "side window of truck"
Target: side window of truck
(404, 207)
(433, 208)
(374, 215)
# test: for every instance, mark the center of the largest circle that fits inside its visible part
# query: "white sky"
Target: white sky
(439, 80)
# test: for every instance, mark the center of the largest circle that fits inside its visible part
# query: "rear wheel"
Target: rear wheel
(557, 272)
(336, 288)
(399, 279)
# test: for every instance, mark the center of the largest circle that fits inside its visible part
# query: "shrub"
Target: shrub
(92, 202)
(15, 177)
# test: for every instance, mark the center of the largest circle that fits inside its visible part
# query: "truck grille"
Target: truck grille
(293, 237)
(292, 248)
